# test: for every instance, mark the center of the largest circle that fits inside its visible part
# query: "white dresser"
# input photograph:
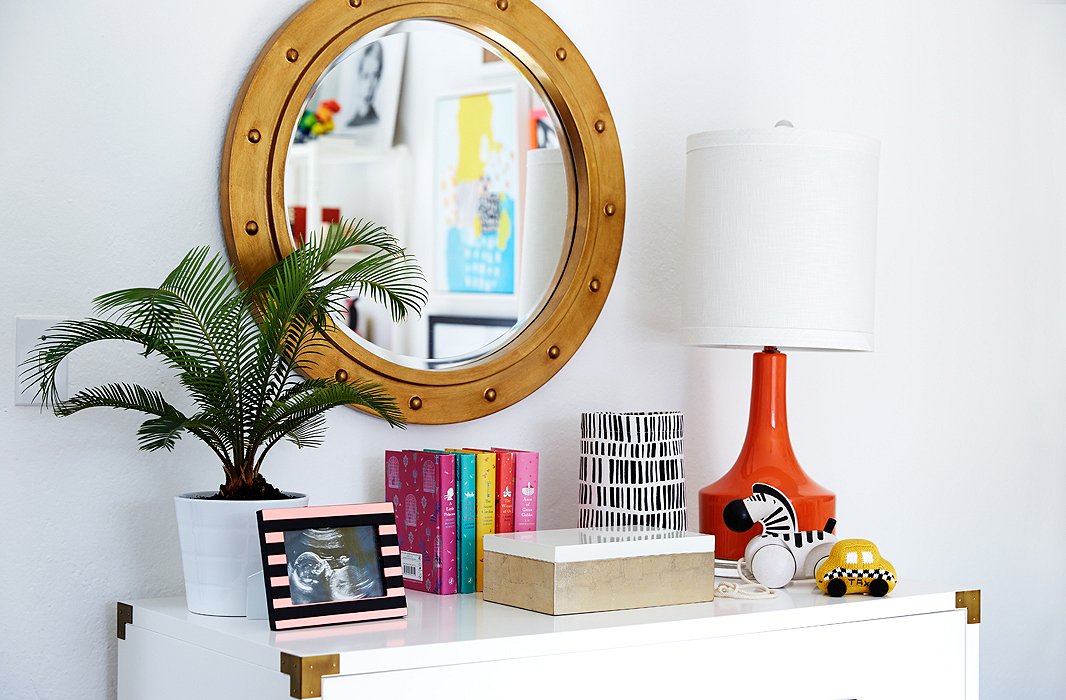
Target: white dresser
(918, 642)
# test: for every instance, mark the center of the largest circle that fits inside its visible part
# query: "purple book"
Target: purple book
(421, 486)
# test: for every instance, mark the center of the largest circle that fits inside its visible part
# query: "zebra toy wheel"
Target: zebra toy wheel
(773, 565)
(815, 558)
(878, 587)
(837, 588)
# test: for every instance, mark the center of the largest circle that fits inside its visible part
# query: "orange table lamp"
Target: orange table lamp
(779, 251)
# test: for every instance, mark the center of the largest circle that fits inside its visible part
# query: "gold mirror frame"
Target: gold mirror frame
(256, 223)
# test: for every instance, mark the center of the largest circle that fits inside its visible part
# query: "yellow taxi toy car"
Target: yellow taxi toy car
(855, 566)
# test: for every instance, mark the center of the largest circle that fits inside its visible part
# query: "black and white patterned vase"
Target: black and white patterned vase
(632, 470)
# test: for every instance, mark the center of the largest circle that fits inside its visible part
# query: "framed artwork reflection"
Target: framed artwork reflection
(456, 336)
(366, 80)
(477, 191)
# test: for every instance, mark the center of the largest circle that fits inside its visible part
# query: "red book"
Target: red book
(526, 468)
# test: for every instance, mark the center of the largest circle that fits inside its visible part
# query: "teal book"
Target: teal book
(466, 517)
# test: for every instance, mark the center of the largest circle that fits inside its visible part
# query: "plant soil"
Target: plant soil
(259, 490)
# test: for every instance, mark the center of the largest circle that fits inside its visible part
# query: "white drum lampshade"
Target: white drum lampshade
(543, 229)
(780, 232)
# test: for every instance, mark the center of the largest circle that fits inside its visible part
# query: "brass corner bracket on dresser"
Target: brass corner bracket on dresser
(305, 673)
(971, 601)
(124, 617)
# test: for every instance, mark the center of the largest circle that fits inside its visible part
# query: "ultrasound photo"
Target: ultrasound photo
(333, 564)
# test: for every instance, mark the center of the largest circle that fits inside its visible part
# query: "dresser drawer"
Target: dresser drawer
(919, 656)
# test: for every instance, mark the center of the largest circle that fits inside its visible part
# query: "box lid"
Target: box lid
(589, 544)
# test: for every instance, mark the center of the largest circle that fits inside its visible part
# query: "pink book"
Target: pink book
(421, 487)
(526, 468)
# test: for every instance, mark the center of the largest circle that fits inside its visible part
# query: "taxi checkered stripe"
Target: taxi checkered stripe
(859, 573)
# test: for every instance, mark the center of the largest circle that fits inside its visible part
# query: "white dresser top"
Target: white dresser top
(464, 628)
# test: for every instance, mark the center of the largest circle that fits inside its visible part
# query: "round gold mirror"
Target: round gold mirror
(475, 132)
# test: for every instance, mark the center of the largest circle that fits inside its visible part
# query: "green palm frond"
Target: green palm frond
(236, 351)
(315, 394)
(300, 418)
(397, 283)
(129, 397)
(67, 336)
(161, 433)
(132, 397)
(302, 285)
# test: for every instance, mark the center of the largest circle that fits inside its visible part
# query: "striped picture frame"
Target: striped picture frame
(331, 565)
(632, 470)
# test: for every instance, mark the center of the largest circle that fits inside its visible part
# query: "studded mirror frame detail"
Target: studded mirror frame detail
(256, 224)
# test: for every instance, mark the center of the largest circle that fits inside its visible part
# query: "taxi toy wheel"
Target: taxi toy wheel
(878, 587)
(837, 588)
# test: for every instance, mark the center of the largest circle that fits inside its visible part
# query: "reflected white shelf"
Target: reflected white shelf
(340, 149)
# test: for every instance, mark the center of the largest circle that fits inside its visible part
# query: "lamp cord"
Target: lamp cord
(749, 590)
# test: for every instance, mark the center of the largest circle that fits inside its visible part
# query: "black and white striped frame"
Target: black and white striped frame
(283, 614)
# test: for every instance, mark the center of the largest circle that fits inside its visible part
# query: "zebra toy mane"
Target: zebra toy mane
(777, 515)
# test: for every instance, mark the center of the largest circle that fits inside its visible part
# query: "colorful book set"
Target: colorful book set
(446, 501)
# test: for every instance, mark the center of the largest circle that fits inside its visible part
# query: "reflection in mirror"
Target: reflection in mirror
(424, 130)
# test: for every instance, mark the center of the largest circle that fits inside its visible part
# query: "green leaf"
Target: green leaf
(236, 352)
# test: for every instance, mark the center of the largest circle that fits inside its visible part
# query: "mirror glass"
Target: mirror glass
(422, 128)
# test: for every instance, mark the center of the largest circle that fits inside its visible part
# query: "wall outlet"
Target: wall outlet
(29, 330)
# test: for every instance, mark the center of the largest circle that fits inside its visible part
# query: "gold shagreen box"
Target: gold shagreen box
(560, 572)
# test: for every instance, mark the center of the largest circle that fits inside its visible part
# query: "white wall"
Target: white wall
(945, 445)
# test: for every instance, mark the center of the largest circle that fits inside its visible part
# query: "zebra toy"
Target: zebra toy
(782, 552)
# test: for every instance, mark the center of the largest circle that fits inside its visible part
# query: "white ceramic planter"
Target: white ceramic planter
(220, 549)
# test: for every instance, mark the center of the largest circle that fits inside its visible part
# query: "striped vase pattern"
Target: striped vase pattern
(632, 470)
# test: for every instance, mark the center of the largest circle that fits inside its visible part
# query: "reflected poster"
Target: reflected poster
(477, 180)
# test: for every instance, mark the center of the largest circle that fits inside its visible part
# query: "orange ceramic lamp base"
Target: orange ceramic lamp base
(766, 457)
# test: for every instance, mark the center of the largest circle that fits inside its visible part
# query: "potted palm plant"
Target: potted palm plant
(238, 354)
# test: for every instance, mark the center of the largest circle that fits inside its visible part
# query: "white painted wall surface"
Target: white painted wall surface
(945, 445)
